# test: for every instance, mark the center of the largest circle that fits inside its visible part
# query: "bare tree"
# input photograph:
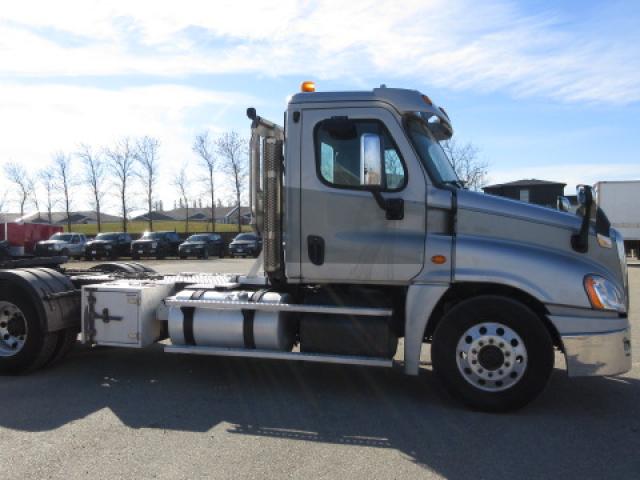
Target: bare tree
(464, 159)
(47, 179)
(203, 146)
(94, 172)
(17, 175)
(146, 154)
(181, 182)
(233, 150)
(64, 181)
(121, 164)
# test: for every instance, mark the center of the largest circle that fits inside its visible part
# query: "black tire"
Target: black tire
(65, 253)
(88, 258)
(39, 346)
(135, 257)
(205, 255)
(183, 257)
(461, 319)
(66, 340)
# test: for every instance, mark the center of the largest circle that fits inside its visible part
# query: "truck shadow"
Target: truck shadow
(579, 427)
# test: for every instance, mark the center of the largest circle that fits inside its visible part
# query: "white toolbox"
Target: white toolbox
(123, 314)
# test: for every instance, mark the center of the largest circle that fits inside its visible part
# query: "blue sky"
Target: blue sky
(545, 89)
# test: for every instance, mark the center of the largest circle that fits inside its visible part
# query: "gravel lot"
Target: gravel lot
(109, 413)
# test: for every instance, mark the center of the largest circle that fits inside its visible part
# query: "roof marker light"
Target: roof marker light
(308, 86)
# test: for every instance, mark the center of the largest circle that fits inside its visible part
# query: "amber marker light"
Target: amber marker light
(308, 86)
(590, 287)
(439, 259)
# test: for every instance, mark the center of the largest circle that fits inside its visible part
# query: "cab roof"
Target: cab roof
(403, 100)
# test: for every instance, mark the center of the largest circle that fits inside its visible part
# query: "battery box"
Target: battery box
(123, 313)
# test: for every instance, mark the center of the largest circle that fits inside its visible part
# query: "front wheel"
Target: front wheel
(492, 353)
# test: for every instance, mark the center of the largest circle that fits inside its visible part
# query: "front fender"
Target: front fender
(551, 276)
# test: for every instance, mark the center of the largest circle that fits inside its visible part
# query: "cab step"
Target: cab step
(274, 355)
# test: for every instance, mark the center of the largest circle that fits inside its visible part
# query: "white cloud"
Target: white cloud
(43, 119)
(459, 43)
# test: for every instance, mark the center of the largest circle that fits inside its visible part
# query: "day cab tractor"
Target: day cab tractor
(369, 238)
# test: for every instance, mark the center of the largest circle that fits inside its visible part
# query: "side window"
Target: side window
(358, 153)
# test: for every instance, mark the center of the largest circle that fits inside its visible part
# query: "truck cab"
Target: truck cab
(371, 199)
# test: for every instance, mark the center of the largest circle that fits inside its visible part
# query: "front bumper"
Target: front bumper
(98, 251)
(597, 354)
(46, 251)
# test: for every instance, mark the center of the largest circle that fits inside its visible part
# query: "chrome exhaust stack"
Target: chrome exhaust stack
(266, 172)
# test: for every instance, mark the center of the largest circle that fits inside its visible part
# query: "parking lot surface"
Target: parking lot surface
(115, 413)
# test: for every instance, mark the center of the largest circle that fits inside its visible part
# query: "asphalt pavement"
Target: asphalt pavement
(115, 413)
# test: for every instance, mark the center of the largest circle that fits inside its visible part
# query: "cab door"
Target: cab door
(361, 222)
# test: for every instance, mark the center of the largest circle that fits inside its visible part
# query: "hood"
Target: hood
(100, 242)
(510, 224)
(243, 242)
(193, 244)
(145, 240)
(52, 242)
(495, 205)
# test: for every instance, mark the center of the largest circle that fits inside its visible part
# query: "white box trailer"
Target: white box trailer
(619, 200)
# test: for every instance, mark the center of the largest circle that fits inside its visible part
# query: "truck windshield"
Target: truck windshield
(431, 153)
(62, 237)
(151, 235)
(107, 236)
(198, 238)
(245, 236)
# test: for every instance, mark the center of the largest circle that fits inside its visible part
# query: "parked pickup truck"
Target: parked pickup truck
(155, 244)
(202, 245)
(63, 244)
(108, 245)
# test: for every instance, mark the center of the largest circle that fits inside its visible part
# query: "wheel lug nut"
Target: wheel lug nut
(6, 336)
(506, 354)
(3, 324)
(491, 340)
(507, 364)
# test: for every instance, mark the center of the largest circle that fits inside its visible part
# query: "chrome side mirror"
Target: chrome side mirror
(563, 204)
(370, 160)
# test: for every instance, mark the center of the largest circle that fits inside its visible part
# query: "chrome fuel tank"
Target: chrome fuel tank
(232, 328)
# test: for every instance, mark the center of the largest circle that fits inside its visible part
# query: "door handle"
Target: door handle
(315, 249)
(393, 207)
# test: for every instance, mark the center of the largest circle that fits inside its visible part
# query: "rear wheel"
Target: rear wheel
(492, 353)
(205, 254)
(24, 346)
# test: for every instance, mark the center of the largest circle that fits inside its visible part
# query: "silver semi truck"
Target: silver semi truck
(373, 251)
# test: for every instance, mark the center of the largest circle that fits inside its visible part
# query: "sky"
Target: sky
(544, 89)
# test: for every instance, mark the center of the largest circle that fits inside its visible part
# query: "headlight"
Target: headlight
(603, 294)
(57, 246)
(107, 247)
(154, 244)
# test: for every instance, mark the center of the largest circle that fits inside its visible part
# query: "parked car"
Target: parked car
(155, 244)
(245, 244)
(202, 245)
(108, 245)
(64, 244)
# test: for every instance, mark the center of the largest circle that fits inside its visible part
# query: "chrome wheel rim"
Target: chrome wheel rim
(13, 329)
(491, 357)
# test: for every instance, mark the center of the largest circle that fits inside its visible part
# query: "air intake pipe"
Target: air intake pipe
(266, 172)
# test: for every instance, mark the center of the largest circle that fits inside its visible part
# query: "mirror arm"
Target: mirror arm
(379, 198)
